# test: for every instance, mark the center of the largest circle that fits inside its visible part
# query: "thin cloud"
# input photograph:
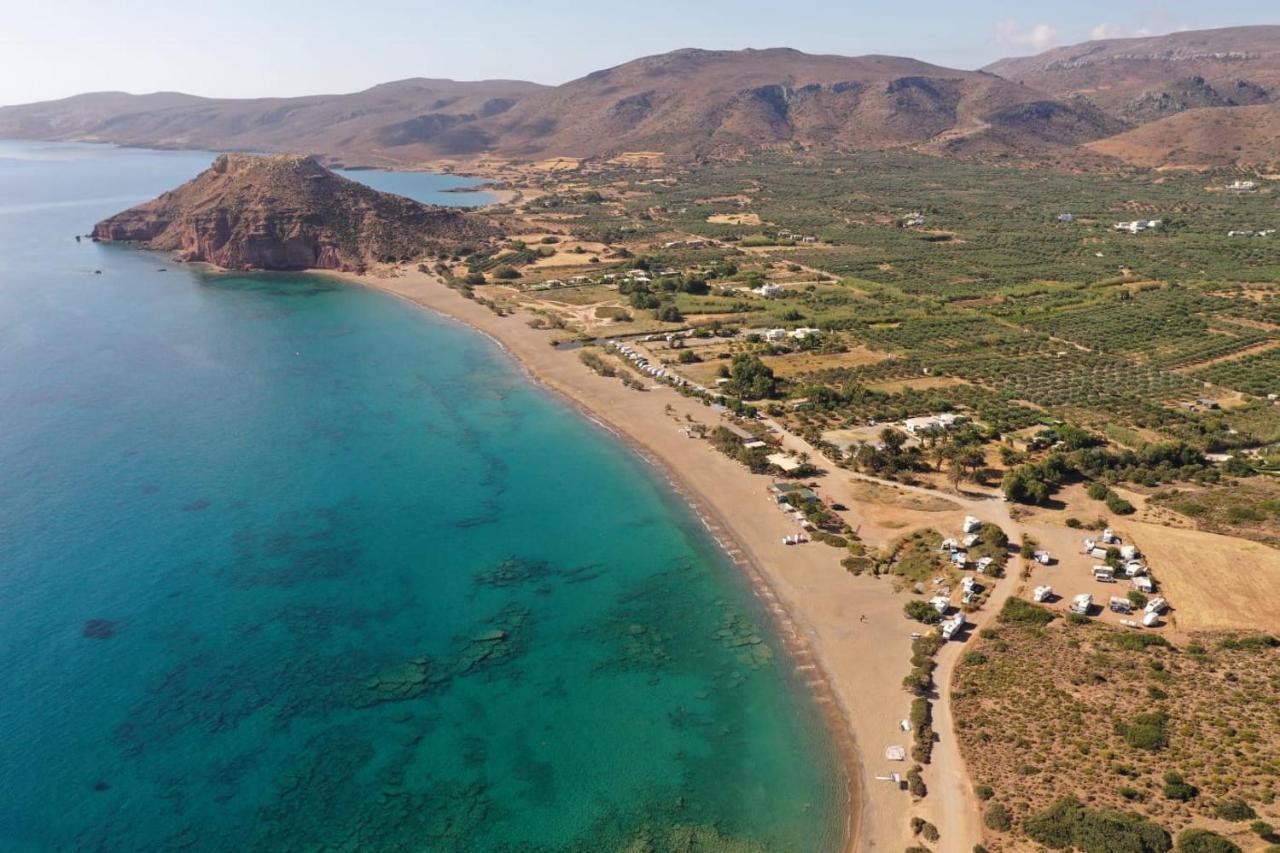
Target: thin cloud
(1115, 31)
(1038, 37)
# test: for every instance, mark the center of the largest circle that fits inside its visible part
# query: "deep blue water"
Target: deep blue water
(287, 564)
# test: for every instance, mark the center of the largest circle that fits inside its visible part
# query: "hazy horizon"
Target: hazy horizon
(322, 48)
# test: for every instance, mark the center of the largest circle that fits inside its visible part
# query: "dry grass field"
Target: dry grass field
(734, 219)
(1109, 719)
(1216, 582)
(800, 363)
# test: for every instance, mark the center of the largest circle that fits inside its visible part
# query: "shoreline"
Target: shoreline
(792, 624)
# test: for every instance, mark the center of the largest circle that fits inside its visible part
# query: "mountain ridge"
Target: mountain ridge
(693, 102)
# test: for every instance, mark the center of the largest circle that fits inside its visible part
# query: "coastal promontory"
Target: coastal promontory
(288, 212)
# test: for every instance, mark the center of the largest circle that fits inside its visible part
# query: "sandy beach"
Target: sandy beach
(847, 635)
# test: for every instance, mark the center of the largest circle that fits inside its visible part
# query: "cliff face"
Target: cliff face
(289, 213)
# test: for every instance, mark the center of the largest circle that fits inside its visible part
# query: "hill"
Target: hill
(289, 212)
(364, 128)
(689, 102)
(1240, 136)
(1143, 79)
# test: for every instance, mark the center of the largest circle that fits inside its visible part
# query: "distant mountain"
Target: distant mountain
(365, 128)
(289, 212)
(725, 102)
(1143, 79)
(706, 103)
(689, 102)
(1203, 98)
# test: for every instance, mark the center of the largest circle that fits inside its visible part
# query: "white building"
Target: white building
(1137, 226)
(915, 426)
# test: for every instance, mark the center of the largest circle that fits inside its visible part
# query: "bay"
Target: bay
(286, 563)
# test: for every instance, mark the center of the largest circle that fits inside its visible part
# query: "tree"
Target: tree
(669, 313)
(752, 378)
(892, 439)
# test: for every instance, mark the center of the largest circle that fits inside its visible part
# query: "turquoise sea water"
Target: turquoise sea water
(427, 187)
(286, 564)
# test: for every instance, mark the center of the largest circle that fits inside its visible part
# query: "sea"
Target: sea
(288, 564)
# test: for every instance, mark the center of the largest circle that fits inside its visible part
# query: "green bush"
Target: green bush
(921, 611)
(920, 826)
(1145, 731)
(1203, 841)
(1235, 809)
(1068, 824)
(1131, 642)
(984, 792)
(1118, 505)
(1020, 611)
(999, 818)
(506, 272)
(915, 783)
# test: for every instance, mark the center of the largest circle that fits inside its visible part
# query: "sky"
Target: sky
(247, 48)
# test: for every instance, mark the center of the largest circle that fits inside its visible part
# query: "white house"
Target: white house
(1081, 603)
(1042, 557)
(951, 627)
(1143, 583)
(944, 420)
(1042, 593)
(805, 332)
(1137, 226)
(971, 524)
(769, 291)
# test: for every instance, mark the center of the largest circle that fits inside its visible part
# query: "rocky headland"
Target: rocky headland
(288, 212)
